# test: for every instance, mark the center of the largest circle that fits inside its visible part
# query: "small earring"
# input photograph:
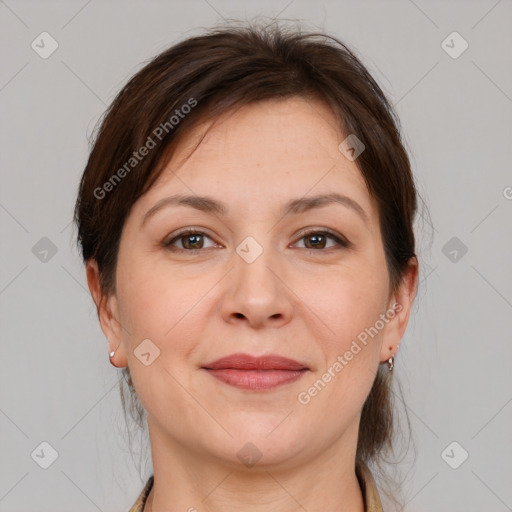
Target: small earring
(391, 363)
(112, 362)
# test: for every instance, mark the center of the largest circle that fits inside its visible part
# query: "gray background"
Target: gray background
(454, 363)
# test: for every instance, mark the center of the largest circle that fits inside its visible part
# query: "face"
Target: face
(263, 271)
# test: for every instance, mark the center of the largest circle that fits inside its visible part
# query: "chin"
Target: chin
(260, 453)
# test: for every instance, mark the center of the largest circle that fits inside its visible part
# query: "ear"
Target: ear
(400, 303)
(108, 314)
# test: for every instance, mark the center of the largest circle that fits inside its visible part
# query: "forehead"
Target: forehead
(261, 132)
(269, 151)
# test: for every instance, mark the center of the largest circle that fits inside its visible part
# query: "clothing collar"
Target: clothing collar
(371, 498)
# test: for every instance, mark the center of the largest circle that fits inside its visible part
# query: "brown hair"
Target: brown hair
(218, 72)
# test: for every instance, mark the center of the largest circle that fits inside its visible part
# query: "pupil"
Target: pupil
(192, 237)
(316, 237)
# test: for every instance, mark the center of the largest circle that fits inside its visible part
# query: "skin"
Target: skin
(304, 298)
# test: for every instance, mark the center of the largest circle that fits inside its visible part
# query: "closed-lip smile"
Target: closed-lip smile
(256, 372)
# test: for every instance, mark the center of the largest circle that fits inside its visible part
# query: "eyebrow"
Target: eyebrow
(294, 206)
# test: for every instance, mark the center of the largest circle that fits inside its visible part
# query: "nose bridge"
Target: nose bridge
(253, 262)
(256, 288)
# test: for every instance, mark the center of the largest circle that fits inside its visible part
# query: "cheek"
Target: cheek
(162, 307)
(349, 302)
(167, 313)
(350, 308)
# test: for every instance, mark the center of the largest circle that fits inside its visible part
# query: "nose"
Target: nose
(257, 293)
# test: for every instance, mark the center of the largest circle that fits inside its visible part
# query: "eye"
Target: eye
(318, 240)
(190, 239)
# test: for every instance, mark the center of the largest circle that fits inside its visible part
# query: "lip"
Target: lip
(248, 362)
(256, 373)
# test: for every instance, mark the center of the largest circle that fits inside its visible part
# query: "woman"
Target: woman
(245, 217)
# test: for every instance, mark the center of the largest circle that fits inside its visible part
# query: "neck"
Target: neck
(182, 482)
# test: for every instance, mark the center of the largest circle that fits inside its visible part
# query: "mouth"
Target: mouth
(256, 373)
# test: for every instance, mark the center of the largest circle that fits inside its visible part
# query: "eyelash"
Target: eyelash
(340, 241)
